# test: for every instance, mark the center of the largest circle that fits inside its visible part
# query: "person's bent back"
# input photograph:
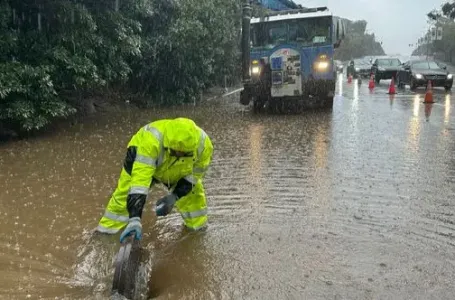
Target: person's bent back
(174, 152)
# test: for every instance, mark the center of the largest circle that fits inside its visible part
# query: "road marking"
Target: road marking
(437, 104)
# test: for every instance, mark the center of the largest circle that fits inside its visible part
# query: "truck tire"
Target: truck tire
(244, 98)
(257, 105)
(328, 103)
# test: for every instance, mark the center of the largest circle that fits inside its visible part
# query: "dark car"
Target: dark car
(418, 72)
(385, 68)
(363, 68)
(358, 68)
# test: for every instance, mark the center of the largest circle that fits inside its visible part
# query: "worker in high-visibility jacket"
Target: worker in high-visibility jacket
(175, 152)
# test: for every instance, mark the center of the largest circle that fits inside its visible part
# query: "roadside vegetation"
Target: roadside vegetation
(358, 43)
(56, 57)
(442, 49)
(67, 57)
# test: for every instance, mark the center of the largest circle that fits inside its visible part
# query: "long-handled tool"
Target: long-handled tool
(126, 267)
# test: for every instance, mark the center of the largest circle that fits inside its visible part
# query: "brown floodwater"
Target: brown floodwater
(353, 203)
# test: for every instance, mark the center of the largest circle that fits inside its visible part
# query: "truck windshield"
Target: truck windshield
(305, 32)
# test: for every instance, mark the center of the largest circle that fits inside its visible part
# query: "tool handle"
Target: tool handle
(129, 238)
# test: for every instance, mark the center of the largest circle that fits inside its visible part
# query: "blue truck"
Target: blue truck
(288, 57)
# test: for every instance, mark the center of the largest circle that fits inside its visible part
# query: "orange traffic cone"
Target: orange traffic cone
(350, 79)
(429, 94)
(392, 90)
(371, 82)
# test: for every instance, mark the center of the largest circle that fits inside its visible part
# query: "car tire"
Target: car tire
(412, 84)
(377, 79)
(400, 84)
(448, 88)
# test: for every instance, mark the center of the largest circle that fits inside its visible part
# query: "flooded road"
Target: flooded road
(353, 203)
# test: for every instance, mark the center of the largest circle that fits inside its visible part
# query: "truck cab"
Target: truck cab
(291, 58)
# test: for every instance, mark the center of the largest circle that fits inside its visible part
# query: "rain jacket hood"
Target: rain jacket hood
(181, 134)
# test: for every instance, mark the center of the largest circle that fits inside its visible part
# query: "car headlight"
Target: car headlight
(322, 65)
(357, 69)
(255, 70)
(449, 76)
(381, 69)
(419, 76)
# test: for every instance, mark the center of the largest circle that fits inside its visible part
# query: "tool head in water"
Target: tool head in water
(126, 268)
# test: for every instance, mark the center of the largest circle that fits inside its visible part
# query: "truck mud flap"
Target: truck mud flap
(126, 268)
(245, 97)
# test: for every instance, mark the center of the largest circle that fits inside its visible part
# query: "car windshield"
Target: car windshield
(389, 62)
(361, 63)
(431, 65)
(306, 32)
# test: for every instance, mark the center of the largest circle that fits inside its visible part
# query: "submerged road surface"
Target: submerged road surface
(353, 203)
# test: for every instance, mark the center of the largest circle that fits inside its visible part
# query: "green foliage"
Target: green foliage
(445, 48)
(358, 43)
(448, 9)
(433, 15)
(167, 50)
(259, 11)
(28, 99)
(358, 27)
(194, 45)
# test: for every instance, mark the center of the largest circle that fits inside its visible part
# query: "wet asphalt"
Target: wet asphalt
(352, 203)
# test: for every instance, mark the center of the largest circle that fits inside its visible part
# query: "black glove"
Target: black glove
(183, 188)
(135, 204)
(164, 205)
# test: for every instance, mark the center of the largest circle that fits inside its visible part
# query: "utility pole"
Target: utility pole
(428, 48)
(434, 32)
(246, 17)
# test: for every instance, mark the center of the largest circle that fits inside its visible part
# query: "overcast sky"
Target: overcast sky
(397, 23)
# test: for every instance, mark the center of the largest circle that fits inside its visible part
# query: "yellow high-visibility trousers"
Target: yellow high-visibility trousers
(116, 215)
(192, 207)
